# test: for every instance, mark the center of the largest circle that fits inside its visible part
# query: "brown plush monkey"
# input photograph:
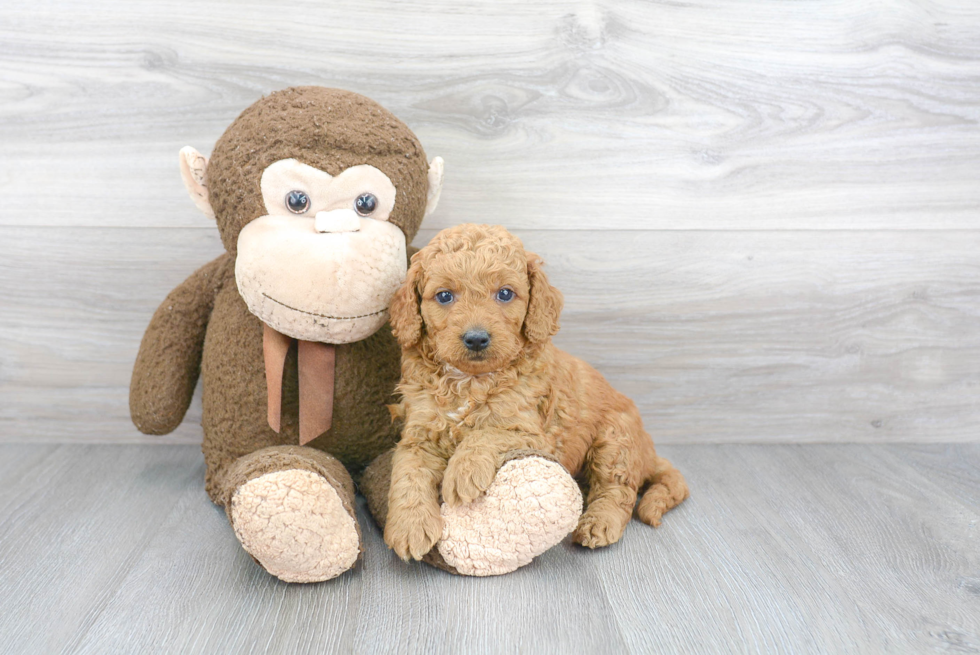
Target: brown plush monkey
(316, 193)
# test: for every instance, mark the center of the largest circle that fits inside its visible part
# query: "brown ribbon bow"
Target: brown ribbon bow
(316, 376)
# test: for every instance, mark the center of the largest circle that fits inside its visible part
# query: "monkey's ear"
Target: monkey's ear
(436, 167)
(192, 167)
(404, 312)
(543, 306)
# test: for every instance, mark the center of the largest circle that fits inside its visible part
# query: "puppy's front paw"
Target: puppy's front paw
(468, 475)
(412, 533)
(598, 530)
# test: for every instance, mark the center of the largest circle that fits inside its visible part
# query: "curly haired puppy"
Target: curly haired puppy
(481, 379)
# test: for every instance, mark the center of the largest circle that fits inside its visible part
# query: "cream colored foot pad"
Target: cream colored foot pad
(295, 525)
(531, 505)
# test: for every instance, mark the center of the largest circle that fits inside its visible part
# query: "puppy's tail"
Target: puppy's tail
(665, 489)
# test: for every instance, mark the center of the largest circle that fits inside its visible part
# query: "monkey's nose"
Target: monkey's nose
(338, 220)
(476, 340)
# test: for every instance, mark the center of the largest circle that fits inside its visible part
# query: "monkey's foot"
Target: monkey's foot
(294, 524)
(531, 505)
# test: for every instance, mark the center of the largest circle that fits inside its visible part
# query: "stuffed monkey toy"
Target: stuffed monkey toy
(317, 194)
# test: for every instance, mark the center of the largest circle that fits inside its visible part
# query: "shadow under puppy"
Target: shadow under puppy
(481, 381)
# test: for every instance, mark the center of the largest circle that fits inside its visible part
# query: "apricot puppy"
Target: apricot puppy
(481, 380)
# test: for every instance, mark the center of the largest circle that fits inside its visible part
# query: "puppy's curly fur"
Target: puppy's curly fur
(465, 409)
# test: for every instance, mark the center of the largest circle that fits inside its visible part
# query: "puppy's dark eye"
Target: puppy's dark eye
(297, 202)
(444, 297)
(505, 295)
(365, 204)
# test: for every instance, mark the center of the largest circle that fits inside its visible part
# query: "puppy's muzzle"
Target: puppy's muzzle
(476, 340)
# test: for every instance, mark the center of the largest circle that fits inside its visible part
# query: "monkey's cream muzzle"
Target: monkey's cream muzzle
(320, 271)
(331, 286)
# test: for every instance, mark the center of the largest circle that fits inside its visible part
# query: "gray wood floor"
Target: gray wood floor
(791, 548)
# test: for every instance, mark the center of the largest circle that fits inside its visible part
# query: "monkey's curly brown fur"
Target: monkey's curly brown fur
(465, 410)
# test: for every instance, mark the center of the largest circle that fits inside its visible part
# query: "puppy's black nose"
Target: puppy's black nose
(476, 340)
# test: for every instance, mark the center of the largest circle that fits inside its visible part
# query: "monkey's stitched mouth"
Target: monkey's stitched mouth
(335, 318)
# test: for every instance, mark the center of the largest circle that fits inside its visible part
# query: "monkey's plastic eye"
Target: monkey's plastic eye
(444, 297)
(505, 295)
(365, 204)
(297, 202)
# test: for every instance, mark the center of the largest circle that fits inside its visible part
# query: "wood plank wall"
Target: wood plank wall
(763, 214)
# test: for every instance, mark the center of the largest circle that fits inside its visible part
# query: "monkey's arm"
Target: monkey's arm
(169, 359)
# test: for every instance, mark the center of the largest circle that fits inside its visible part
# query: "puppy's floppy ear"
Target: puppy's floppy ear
(544, 305)
(406, 319)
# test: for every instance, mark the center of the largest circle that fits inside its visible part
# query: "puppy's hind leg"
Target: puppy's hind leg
(613, 481)
(666, 489)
